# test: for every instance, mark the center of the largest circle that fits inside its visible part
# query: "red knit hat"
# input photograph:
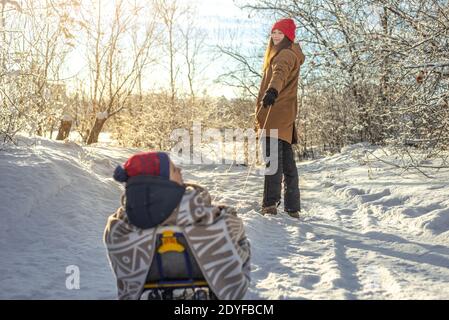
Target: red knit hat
(287, 27)
(145, 163)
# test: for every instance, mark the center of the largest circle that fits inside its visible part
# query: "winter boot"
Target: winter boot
(293, 214)
(271, 210)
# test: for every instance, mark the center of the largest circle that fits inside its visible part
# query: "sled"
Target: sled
(174, 273)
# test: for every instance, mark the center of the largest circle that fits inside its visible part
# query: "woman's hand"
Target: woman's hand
(269, 98)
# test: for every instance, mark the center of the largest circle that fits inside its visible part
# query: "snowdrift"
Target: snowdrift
(367, 230)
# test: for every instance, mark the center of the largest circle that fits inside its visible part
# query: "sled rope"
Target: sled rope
(257, 148)
(254, 160)
(232, 164)
(239, 205)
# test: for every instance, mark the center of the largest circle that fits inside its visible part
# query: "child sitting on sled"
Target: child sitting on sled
(162, 219)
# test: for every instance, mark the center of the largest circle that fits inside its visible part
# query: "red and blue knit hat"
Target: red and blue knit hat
(145, 163)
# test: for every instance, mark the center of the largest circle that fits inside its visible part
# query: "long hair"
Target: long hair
(272, 50)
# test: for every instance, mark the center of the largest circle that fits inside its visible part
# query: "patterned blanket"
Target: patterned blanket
(214, 233)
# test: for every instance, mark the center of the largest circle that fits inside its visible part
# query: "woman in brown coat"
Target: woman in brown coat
(276, 112)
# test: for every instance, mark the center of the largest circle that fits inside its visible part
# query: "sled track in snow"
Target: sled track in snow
(350, 242)
(361, 236)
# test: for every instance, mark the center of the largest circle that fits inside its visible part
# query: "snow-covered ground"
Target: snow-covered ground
(366, 232)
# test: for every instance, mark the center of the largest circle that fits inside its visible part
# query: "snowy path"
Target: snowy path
(358, 238)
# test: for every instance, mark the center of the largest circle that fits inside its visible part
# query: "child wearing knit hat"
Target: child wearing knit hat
(154, 187)
(158, 241)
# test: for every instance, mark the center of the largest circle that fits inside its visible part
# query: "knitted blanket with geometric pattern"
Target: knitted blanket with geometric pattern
(215, 235)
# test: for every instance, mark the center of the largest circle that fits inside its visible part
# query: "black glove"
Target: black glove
(270, 96)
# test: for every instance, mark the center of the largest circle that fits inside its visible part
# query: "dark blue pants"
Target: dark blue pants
(286, 168)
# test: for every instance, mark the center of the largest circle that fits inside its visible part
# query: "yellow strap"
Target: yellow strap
(170, 243)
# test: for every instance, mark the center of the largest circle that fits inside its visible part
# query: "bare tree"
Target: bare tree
(193, 41)
(246, 73)
(114, 69)
(35, 42)
(378, 66)
(169, 11)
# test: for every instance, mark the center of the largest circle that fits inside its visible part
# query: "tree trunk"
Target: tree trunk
(52, 127)
(64, 129)
(96, 129)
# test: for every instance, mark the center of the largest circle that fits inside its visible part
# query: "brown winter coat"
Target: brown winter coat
(282, 74)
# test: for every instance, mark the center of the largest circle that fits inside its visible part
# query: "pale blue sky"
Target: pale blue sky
(224, 23)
